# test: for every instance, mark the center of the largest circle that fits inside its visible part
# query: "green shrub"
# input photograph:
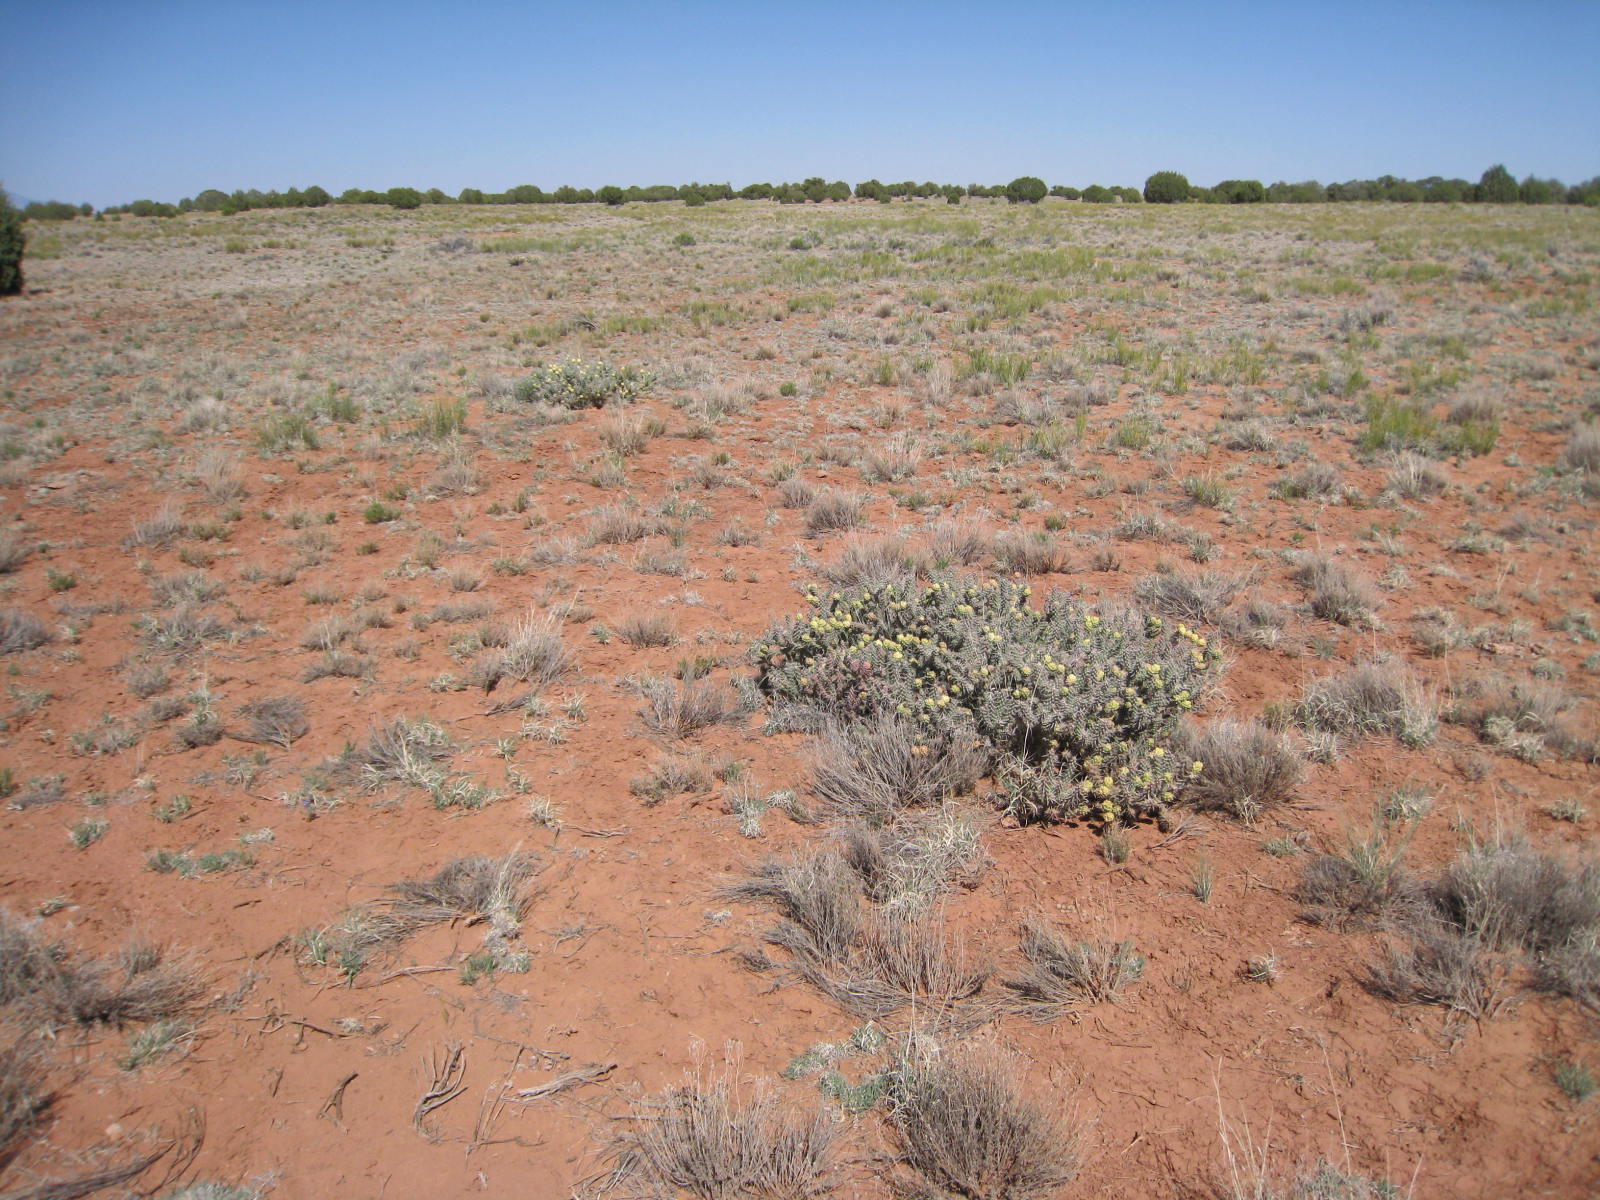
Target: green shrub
(1076, 708)
(1165, 187)
(12, 242)
(1026, 189)
(1240, 191)
(573, 383)
(1396, 424)
(403, 198)
(1497, 186)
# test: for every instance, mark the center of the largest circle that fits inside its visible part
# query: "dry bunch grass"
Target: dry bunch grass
(679, 710)
(644, 630)
(876, 562)
(873, 769)
(1371, 698)
(25, 1096)
(1442, 966)
(1027, 554)
(1525, 717)
(703, 1139)
(1190, 596)
(532, 653)
(834, 512)
(1335, 592)
(141, 983)
(962, 544)
(966, 1128)
(1249, 769)
(1366, 886)
(277, 720)
(905, 867)
(20, 631)
(1064, 976)
(870, 963)
(400, 752)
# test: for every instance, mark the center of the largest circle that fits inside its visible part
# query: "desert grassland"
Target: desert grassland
(412, 779)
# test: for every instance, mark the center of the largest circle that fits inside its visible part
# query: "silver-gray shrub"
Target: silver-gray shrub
(1078, 706)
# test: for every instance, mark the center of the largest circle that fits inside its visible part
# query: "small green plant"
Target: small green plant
(152, 1042)
(1202, 878)
(1395, 424)
(377, 513)
(854, 1098)
(175, 809)
(1575, 1079)
(59, 581)
(442, 417)
(1262, 968)
(286, 431)
(84, 834)
(477, 966)
(1569, 809)
(1136, 433)
(1208, 490)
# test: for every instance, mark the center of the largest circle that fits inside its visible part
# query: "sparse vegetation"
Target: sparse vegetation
(279, 470)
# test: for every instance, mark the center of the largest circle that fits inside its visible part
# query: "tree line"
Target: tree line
(1496, 186)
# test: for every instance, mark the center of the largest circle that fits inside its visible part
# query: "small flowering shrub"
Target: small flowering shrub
(573, 383)
(1077, 708)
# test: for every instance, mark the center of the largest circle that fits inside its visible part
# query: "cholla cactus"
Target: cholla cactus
(1076, 706)
(573, 383)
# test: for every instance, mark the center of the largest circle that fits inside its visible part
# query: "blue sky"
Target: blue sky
(113, 101)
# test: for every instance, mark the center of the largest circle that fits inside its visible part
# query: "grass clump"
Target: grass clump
(1395, 424)
(1249, 769)
(141, 983)
(873, 768)
(874, 562)
(277, 720)
(870, 962)
(834, 512)
(1335, 593)
(1582, 451)
(573, 383)
(1524, 717)
(669, 778)
(1077, 707)
(1364, 886)
(1371, 698)
(679, 710)
(25, 1096)
(478, 889)
(1026, 554)
(412, 753)
(1064, 976)
(646, 630)
(906, 866)
(20, 630)
(964, 1127)
(532, 653)
(1189, 595)
(702, 1139)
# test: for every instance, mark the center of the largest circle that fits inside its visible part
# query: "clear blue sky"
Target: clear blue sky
(113, 100)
